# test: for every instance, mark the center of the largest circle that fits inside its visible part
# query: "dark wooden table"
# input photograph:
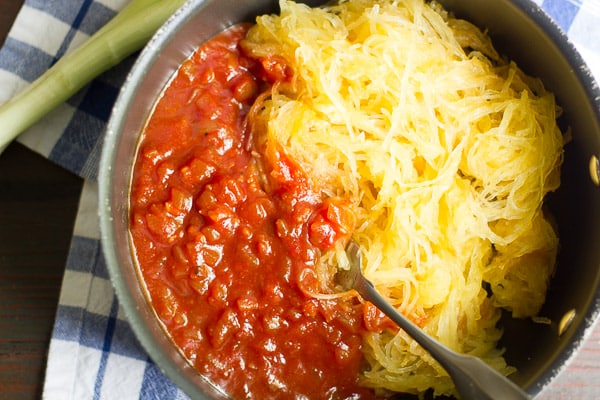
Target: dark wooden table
(38, 203)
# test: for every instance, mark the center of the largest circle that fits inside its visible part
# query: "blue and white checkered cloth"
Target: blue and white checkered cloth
(93, 352)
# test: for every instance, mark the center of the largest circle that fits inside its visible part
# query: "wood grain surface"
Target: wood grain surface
(38, 203)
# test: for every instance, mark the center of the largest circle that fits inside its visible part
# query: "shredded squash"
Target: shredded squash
(446, 152)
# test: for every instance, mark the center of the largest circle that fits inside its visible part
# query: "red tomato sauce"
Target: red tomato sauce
(229, 265)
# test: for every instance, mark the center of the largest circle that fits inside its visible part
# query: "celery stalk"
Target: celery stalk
(126, 33)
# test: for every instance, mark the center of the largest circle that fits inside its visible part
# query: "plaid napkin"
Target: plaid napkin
(93, 352)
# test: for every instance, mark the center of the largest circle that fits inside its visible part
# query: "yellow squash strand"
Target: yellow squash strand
(446, 151)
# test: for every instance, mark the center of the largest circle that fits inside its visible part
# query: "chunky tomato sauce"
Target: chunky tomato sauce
(229, 265)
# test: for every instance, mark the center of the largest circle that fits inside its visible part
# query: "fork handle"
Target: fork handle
(473, 378)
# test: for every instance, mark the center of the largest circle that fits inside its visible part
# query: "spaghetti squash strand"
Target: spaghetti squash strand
(445, 151)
